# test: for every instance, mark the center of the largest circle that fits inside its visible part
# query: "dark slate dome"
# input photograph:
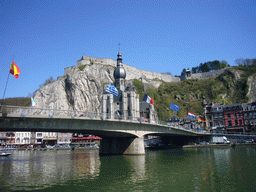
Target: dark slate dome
(119, 72)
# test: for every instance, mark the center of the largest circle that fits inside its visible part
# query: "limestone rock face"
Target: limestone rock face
(77, 90)
(252, 88)
(82, 86)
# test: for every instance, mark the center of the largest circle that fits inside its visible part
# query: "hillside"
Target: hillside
(235, 85)
(17, 101)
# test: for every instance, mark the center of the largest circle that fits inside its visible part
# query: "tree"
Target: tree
(195, 69)
(214, 65)
(239, 61)
(204, 67)
(224, 64)
(183, 71)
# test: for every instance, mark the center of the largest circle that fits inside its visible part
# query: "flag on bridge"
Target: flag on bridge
(112, 89)
(190, 114)
(201, 119)
(120, 117)
(174, 107)
(148, 99)
(32, 102)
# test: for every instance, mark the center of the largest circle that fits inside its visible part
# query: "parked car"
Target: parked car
(204, 143)
(249, 141)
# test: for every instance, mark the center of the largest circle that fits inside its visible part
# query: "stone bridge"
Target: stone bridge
(118, 136)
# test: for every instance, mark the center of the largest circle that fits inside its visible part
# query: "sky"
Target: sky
(43, 37)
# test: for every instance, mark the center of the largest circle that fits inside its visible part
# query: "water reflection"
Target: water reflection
(138, 167)
(214, 169)
(25, 170)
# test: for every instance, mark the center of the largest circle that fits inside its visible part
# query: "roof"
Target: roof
(173, 119)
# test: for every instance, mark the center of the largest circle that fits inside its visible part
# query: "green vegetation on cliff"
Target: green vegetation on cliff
(17, 101)
(188, 94)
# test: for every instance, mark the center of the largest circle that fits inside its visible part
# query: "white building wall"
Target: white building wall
(22, 138)
(64, 138)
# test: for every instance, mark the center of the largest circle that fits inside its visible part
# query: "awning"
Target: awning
(86, 138)
(49, 139)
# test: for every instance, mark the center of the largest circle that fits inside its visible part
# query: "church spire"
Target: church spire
(119, 73)
(119, 57)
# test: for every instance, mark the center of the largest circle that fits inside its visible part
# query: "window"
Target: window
(217, 124)
(215, 115)
(229, 123)
(236, 122)
(235, 114)
(239, 114)
(240, 121)
(228, 114)
(250, 114)
(251, 122)
(221, 115)
(245, 114)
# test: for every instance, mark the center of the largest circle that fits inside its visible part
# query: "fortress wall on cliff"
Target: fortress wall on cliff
(131, 72)
(206, 75)
(135, 73)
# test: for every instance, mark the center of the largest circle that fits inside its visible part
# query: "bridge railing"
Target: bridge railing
(235, 133)
(58, 113)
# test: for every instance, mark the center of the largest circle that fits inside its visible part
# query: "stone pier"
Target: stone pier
(122, 146)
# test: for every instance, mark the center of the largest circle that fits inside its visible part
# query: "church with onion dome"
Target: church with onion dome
(126, 105)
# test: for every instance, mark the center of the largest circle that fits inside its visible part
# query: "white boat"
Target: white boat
(5, 154)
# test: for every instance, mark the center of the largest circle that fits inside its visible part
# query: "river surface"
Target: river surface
(204, 169)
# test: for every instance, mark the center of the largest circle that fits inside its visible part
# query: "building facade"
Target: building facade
(233, 118)
(249, 114)
(126, 105)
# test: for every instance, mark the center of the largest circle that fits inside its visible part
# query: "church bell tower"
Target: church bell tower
(119, 74)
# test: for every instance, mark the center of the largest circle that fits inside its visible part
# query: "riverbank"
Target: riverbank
(54, 148)
(218, 145)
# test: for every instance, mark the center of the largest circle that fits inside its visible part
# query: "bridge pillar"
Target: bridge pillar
(122, 146)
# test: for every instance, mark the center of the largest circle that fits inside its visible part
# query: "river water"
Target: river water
(205, 169)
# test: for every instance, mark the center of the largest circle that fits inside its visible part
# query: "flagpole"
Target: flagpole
(5, 88)
(6, 84)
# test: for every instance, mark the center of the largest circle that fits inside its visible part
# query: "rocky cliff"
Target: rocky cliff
(252, 88)
(82, 86)
(78, 89)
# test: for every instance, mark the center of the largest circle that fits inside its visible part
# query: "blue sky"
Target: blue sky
(46, 36)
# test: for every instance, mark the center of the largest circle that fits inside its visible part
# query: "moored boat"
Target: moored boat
(5, 154)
